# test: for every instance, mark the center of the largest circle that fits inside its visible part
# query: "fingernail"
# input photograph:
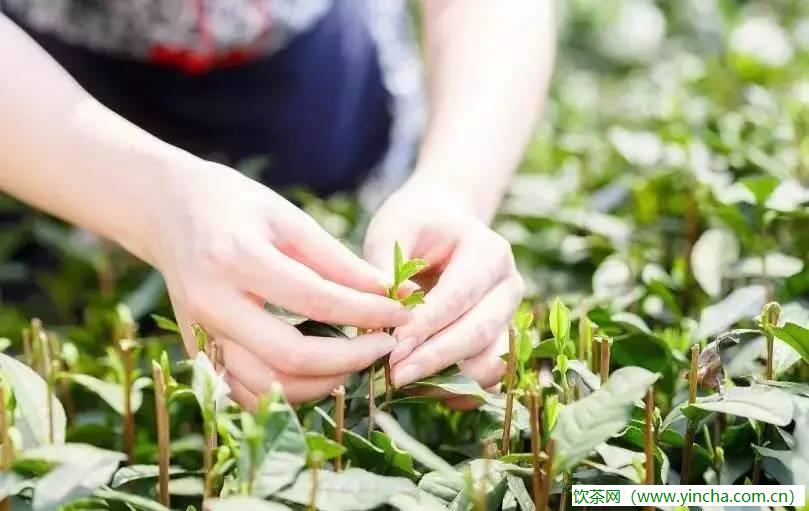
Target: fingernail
(402, 349)
(405, 375)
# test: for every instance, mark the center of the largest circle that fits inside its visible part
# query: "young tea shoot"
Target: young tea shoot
(403, 270)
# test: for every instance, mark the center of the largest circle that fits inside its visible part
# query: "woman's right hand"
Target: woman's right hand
(225, 244)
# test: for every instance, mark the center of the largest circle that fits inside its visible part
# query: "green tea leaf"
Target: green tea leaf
(796, 337)
(135, 502)
(131, 473)
(410, 269)
(398, 261)
(81, 470)
(277, 470)
(559, 320)
(165, 323)
(587, 423)
(399, 462)
(357, 490)
(31, 395)
(243, 503)
(328, 448)
(765, 404)
(112, 393)
(413, 299)
(416, 449)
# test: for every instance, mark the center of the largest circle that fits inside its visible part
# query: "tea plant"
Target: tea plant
(663, 199)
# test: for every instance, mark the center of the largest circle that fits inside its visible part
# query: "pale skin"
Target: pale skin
(225, 244)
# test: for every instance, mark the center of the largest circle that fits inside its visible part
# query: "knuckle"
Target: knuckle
(293, 361)
(459, 300)
(502, 249)
(488, 330)
(222, 251)
(321, 308)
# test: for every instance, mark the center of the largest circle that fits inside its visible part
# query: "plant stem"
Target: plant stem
(692, 374)
(28, 352)
(585, 339)
(129, 424)
(46, 369)
(547, 480)
(771, 314)
(604, 366)
(388, 384)
(536, 475)
(480, 493)
(162, 424)
(339, 422)
(563, 495)
(315, 467)
(7, 447)
(59, 366)
(510, 382)
(210, 447)
(371, 398)
(649, 437)
(688, 445)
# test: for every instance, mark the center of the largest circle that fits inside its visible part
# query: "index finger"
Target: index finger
(265, 271)
(282, 346)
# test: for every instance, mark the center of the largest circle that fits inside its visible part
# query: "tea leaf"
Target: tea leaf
(399, 462)
(328, 449)
(357, 490)
(758, 402)
(165, 323)
(135, 502)
(740, 304)
(82, 469)
(559, 319)
(413, 299)
(713, 252)
(587, 423)
(242, 503)
(416, 449)
(31, 394)
(277, 470)
(796, 337)
(126, 475)
(410, 269)
(112, 393)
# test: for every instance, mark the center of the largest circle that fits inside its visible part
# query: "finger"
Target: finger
(282, 281)
(464, 403)
(314, 247)
(466, 279)
(259, 377)
(241, 394)
(487, 367)
(234, 316)
(467, 337)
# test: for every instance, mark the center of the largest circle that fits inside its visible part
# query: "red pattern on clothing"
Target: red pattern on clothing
(208, 58)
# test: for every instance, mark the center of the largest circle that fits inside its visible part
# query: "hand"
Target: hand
(226, 244)
(472, 285)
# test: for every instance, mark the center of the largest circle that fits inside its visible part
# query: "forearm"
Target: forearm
(489, 64)
(63, 152)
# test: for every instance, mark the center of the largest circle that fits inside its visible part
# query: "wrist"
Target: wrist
(147, 199)
(467, 193)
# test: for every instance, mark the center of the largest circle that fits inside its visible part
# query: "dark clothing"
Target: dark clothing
(317, 107)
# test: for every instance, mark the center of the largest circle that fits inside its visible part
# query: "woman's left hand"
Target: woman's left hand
(472, 285)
